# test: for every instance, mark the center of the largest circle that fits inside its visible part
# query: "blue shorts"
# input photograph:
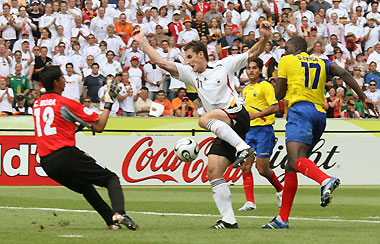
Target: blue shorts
(262, 139)
(305, 124)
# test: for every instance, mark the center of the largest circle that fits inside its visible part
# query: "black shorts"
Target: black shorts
(240, 123)
(74, 169)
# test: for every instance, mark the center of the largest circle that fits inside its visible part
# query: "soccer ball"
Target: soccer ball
(186, 149)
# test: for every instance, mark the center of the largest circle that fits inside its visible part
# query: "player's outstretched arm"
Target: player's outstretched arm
(265, 33)
(346, 77)
(154, 56)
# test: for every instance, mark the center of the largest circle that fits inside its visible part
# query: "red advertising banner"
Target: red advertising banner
(19, 162)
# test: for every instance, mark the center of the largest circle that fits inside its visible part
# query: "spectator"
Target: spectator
(232, 14)
(350, 112)
(48, 21)
(123, 28)
(286, 29)
(225, 42)
(360, 62)
(188, 34)
(40, 63)
(73, 83)
(111, 66)
(373, 12)
(114, 42)
(316, 5)
(375, 56)
(6, 97)
(335, 27)
(335, 102)
(143, 103)
(213, 13)
(127, 96)
(303, 13)
(87, 103)
(201, 7)
(329, 48)
(249, 20)
(122, 8)
(159, 35)
(235, 30)
(26, 25)
(176, 26)
(65, 19)
(161, 99)
(304, 28)
(133, 52)
(318, 51)
(35, 15)
(312, 39)
(357, 76)
(77, 59)
(154, 79)
(101, 93)
(99, 24)
(91, 47)
(136, 73)
(321, 27)
(353, 97)
(211, 50)
(27, 66)
(89, 12)
(374, 95)
(338, 58)
(183, 106)
(279, 51)
(272, 10)
(371, 33)
(372, 75)
(45, 41)
(61, 59)
(18, 82)
(21, 108)
(341, 12)
(200, 25)
(265, 57)
(80, 31)
(62, 38)
(93, 83)
(251, 39)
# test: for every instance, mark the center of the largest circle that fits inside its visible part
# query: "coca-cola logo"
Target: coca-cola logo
(142, 163)
(166, 162)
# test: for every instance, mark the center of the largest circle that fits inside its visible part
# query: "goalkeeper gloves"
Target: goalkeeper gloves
(111, 93)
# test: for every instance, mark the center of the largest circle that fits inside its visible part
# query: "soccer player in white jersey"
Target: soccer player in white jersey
(226, 116)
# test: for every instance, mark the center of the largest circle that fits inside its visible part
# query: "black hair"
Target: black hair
(50, 74)
(299, 42)
(94, 64)
(145, 88)
(181, 88)
(197, 47)
(258, 61)
(68, 64)
(110, 51)
(153, 8)
(161, 91)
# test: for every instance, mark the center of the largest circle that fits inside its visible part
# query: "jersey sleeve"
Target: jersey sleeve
(184, 73)
(269, 94)
(327, 64)
(282, 71)
(73, 111)
(236, 62)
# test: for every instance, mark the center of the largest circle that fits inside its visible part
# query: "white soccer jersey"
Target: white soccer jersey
(72, 89)
(215, 87)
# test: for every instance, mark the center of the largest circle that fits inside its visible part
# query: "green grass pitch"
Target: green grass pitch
(353, 216)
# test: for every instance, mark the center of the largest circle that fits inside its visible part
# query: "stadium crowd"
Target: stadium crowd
(91, 42)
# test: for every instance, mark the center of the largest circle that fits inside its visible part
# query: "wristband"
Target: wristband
(108, 106)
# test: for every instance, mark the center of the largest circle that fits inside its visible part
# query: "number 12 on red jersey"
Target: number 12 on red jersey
(48, 119)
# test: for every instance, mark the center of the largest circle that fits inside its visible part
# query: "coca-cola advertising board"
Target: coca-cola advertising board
(145, 160)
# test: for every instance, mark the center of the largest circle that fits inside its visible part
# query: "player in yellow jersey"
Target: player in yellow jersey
(301, 80)
(261, 104)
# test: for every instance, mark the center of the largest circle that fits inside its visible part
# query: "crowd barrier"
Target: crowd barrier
(144, 154)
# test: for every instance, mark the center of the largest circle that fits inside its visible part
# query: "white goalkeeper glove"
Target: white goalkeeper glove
(111, 93)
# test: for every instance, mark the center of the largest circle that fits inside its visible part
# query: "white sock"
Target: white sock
(226, 133)
(325, 181)
(222, 198)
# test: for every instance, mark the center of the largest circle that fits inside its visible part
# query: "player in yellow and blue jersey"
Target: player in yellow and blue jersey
(301, 80)
(261, 103)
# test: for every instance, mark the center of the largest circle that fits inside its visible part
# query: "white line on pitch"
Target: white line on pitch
(193, 215)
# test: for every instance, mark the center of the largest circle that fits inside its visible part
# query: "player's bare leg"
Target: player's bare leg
(246, 169)
(217, 165)
(262, 165)
(218, 122)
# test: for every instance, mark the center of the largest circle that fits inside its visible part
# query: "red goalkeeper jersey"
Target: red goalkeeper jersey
(54, 122)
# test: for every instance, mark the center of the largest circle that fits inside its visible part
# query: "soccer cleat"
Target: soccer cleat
(248, 206)
(276, 223)
(220, 224)
(115, 226)
(125, 220)
(243, 156)
(327, 190)
(279, 198)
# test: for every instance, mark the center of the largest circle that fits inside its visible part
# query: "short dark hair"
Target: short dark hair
(50, 74)
(94, 64)
(161, 91)
(110, 51)
(164, 41)
(181, 88)
(197, 47)
(258, 61)
(145, 88)
(300, 42)
(69, 64)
